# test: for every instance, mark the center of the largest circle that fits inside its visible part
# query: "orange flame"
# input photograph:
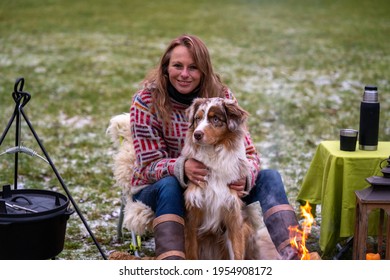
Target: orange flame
(298, 236)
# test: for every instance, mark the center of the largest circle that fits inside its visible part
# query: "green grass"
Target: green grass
(298, 67)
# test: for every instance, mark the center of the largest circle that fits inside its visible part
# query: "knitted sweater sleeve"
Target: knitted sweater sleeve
(152, 160)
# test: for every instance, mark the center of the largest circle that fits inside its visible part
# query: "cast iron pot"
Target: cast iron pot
(32, 224)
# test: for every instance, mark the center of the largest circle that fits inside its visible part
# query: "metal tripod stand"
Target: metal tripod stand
(21, 98)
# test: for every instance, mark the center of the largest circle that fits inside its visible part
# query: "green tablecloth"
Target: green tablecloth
(332, 179)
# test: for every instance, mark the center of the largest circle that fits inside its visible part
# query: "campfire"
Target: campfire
(299, 235)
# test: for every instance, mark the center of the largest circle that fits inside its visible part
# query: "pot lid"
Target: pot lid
(24, 202)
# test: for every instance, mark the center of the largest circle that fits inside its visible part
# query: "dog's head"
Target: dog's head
(215, 121)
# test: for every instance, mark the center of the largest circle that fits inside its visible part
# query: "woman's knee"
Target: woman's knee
(270, 175)
(170, 187)
(170, 197)
(269, 189)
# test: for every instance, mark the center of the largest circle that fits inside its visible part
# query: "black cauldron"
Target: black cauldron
(32, 223)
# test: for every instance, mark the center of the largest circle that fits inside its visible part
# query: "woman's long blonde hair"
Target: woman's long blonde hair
(157, 80)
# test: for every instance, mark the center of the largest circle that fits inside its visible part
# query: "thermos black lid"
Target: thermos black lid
(370, 94)
(370, 87)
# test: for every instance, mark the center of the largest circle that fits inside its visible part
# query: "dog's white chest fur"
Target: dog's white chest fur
(215, 198)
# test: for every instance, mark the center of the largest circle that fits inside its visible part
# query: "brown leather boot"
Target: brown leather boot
(169, 237)
(277, 220)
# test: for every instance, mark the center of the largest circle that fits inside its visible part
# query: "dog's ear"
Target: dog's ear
(235, 115)
(190, 112)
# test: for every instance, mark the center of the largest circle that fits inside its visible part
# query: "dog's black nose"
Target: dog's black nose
(198, 135)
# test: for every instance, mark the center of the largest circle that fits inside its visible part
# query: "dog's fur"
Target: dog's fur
(216, 226)
(138, 217)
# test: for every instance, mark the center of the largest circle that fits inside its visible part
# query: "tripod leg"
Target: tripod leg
(63, 184)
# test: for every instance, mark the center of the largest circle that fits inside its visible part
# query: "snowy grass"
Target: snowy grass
(298, 67)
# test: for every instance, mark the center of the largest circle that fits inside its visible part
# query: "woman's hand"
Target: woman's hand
(195, 171)
(239, 186)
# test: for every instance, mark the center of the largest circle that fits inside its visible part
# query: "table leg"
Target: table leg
(360, 238)
(356, 235)
(387, 257)
(380, 230)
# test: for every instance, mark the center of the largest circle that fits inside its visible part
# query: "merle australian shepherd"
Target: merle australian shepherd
(216, 225)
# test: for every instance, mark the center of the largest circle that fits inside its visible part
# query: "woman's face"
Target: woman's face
(183, 74)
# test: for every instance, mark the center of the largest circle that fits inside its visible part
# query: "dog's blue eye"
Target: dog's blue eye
(215, 119)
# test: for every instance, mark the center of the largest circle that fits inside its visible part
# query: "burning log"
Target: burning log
(314, 256)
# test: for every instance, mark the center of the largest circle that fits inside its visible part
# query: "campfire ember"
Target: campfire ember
(298, 235)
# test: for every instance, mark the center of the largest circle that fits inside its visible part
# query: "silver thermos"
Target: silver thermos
(369, 119)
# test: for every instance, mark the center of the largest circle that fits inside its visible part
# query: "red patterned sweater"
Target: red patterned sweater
(158, 147)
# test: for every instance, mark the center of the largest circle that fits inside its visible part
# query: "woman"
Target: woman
(158, 127)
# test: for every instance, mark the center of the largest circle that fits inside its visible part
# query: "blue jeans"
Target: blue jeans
(166, 195)
(268, 190)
